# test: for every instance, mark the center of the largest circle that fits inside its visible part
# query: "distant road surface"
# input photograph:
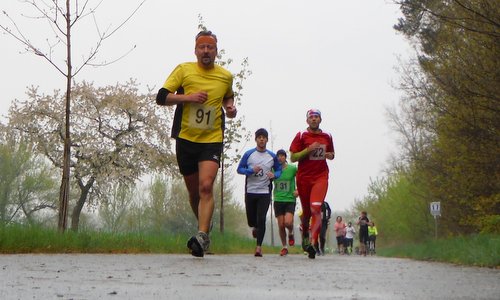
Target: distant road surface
(121, 276)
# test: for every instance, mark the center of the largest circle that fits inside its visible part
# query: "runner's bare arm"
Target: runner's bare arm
(229, 107)
(300, 155)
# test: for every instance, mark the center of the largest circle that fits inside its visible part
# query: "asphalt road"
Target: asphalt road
(110, 276)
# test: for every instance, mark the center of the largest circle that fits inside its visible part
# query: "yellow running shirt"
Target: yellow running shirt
(201, 123)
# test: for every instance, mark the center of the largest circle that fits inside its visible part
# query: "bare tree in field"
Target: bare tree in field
(62, 17)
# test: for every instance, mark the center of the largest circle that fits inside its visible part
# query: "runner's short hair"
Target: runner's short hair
(281, 152)
(261, 131)
(206, 33)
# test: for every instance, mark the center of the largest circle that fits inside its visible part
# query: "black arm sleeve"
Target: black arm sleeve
(161, 97)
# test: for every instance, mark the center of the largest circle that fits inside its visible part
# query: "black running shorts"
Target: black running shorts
(189, 154)
(281, 208)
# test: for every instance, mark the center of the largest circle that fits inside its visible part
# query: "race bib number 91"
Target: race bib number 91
(201, 116)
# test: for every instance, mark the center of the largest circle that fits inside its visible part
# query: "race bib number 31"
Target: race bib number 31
(201, 116)
(282, 186)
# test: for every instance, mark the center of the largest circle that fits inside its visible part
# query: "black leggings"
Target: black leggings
(256, 208)
(322, 233)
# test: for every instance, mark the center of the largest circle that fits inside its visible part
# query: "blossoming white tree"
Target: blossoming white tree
(118, 135)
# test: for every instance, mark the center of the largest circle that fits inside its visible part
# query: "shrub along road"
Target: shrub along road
(111, 276)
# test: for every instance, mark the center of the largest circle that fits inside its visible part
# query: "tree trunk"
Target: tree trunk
(64, 190)
(77, 210)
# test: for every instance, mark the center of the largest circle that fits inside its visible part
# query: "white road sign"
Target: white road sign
(436, 208)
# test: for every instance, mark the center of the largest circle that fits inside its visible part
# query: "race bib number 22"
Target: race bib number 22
(318, 153)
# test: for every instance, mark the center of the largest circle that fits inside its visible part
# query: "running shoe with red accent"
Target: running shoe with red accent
(291, 240)
(283, 252)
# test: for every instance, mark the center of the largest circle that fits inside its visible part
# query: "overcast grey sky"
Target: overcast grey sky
(337, 56)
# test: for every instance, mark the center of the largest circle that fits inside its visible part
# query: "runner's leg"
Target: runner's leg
(318, 194)
(281, 229)
(251, 210)
(304, 190)
(262, 208)
(207, 173)
(288, 223)
(193, 188)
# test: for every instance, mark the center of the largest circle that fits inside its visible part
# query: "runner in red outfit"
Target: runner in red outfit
(311, 148)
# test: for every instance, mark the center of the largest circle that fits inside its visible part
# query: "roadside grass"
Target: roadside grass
(478, 250)
(28, 239)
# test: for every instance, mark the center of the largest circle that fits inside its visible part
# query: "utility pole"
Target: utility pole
(271, 203)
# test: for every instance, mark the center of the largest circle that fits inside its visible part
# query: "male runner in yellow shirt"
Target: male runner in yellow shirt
(202, 92)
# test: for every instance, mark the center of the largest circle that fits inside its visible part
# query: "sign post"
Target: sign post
(436, 212)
